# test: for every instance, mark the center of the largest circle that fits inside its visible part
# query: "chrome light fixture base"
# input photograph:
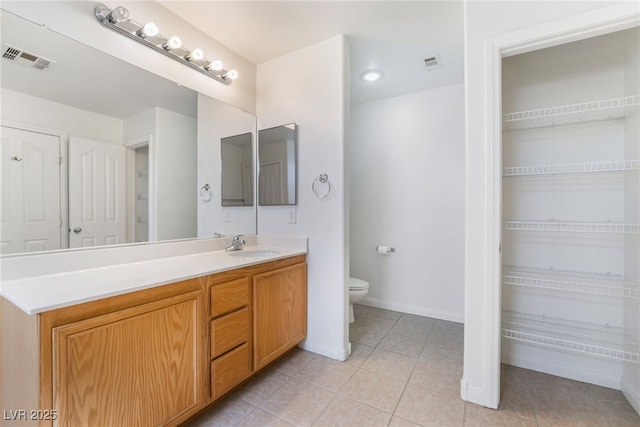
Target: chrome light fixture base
(118, 20)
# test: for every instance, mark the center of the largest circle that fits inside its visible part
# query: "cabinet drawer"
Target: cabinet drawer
(229, 296)
(229, 370)
(229, 331)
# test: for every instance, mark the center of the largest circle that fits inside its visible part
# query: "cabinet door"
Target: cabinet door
(137, 366)
(280, 312)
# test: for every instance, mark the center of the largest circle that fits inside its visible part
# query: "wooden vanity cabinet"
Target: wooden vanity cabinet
(280, 312)
(137, 366)
(257, 314)
(133, 359)
(230, 332)
(151, 357)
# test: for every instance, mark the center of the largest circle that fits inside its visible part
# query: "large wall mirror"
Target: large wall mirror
(97, 151)
(277, 159)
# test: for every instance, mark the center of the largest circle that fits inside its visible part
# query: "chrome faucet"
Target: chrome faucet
(236, 244)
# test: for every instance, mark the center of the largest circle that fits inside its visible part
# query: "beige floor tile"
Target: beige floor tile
(438, 375)
(367, 335)
(391, 364)
(344, 412)
(258, 389)
(293, 361)
(327, 373)
(426, 322)
(401, 422)
(359, 353)
(298, 402)
(410, 328)
(518, 402)
(478, 416)
(261, 418)
(365, 310)
(228, 412)
(448, 327)
(614, 405)
(373, 389)
(409, 346)
(430, 408)
(554, 410)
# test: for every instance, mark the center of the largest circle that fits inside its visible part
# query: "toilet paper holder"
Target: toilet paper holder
(385, 250)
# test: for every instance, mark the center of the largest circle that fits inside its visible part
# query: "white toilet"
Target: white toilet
(358, 289)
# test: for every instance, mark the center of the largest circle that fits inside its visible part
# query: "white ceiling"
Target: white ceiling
(392, 36)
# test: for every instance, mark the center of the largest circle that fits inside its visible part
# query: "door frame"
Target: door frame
(597, 22)
(63, 137)
(131, 145)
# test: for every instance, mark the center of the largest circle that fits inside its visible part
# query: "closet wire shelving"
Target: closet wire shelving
(573, 168)
(571, 227)
(592, 111)
(610, 285)
(587, 338)
(582, 337)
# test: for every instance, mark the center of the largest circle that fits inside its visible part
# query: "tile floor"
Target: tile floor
(405, 370)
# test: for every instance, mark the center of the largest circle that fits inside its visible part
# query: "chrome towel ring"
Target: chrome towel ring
(322, 179)
(205, 193)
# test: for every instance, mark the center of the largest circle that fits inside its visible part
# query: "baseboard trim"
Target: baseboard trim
(563, 371)
(414, 309)
(632, 394)
(333, 353)
(472, 394)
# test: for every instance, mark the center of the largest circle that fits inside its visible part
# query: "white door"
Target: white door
(30, 214)
(97, 214)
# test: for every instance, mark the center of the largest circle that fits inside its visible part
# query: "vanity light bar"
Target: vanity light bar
(148, 35)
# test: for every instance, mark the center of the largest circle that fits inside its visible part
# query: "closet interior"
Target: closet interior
(571, 211)
(141, 202)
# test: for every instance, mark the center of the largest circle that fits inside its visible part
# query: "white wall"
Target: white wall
(407, 191)
(175, 155)
(217, 120)
(309, 87)
(172, 177)
(483, 22)
(26, 109)
(57, 16)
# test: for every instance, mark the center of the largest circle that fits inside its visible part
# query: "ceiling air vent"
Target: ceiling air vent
(432, 62)
(19, 56)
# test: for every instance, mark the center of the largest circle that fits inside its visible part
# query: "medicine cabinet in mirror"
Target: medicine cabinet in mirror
(277, 159)
(237, 170)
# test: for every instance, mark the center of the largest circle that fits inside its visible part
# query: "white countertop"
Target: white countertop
(42, 293)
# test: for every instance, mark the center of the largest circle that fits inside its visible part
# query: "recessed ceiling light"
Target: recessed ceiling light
(372, 76)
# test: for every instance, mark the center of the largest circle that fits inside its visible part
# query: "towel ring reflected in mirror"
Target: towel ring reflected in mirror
(205, 193)
(316, 186)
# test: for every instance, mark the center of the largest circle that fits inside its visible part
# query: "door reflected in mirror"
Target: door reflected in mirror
(277, 159)
(237, 170)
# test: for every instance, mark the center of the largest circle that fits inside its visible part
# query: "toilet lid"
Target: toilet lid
(357, 283)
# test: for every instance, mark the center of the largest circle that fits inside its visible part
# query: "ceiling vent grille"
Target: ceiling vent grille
(19, 56)
(432, 62)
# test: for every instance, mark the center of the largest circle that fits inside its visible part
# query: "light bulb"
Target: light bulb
(232, 74)
(372, 76)
(195, 55)
(173, 43)
(118, 14)
(149, 30)
(216, 65)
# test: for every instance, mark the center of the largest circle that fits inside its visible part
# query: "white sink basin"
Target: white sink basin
(252, 253)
